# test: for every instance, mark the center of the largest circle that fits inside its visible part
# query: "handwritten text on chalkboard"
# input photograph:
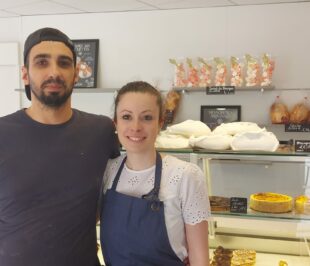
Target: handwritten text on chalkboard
(214, 115)
(297, 127)
(302, 145)
(220, 90)
(238, 205)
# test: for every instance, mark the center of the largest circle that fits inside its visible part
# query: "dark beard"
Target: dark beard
(54, 99)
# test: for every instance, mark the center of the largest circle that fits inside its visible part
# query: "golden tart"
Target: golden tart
(271, 202)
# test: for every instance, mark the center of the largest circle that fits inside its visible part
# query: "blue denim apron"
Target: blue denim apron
(133, 230)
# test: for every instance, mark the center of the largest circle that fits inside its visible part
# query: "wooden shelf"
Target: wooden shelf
(87, 90)
(203, 89)
(94, 90)
(239, 89)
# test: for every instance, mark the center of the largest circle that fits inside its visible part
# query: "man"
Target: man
(52, 159)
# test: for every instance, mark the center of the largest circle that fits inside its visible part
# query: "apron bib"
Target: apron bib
(133, 230)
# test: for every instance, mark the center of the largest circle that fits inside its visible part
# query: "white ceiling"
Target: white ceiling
(15, 8)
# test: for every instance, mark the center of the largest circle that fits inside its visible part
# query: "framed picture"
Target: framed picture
(214, 115)
(87, 62)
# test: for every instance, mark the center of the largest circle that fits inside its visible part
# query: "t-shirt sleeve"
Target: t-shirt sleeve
(194, 196)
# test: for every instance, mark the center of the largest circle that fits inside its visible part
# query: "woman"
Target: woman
(155, 208)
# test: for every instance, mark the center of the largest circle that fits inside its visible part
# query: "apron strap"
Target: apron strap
(153, 195)
(99, 204)
(158, 169)
(115, 181)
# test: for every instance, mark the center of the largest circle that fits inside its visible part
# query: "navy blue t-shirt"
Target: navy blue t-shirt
(49, 186)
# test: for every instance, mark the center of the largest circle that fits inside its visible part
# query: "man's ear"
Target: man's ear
(76, 77)
(25, 76)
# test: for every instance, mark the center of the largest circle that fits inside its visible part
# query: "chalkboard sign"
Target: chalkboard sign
(214, 115)
(297, 127)
(302, 145)
(238, 205)
(216, 90)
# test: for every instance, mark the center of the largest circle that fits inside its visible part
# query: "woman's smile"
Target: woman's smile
(136, 139)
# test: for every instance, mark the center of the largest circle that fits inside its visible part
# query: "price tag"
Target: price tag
(238, 205)
(216, 90)
(302, 145)
(297, 127)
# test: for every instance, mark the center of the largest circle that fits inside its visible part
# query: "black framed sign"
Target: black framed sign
(302, 145)
(214, 115)
(87, 62)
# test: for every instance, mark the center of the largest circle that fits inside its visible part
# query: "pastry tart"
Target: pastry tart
(302, 204)
(271, 202)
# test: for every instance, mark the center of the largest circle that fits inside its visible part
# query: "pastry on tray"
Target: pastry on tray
(243, 257)
(221, 257)
(218, 203)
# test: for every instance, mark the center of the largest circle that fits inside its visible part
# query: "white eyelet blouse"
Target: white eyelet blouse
(183, 190)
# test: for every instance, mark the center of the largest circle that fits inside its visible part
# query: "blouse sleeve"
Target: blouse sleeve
(194, 196)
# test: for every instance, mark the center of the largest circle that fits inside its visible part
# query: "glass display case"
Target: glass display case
(276, 237)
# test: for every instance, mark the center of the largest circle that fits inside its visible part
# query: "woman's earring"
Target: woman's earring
(115, 132)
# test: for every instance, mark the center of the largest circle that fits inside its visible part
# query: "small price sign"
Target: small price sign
(238, 205)
(302, 145)
(297, 127)
(220, 90)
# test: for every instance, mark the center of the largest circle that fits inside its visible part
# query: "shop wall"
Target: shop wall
(9, 65)
(137, 45)
(10, 29)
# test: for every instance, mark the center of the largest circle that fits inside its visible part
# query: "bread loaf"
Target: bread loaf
(299, 114)
(171, 105)
(279, 113)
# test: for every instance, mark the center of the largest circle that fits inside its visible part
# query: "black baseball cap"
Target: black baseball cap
(46, 34)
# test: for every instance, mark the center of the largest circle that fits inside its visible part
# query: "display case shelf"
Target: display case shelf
(290, 216)
(243, 155)
(256, 155)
